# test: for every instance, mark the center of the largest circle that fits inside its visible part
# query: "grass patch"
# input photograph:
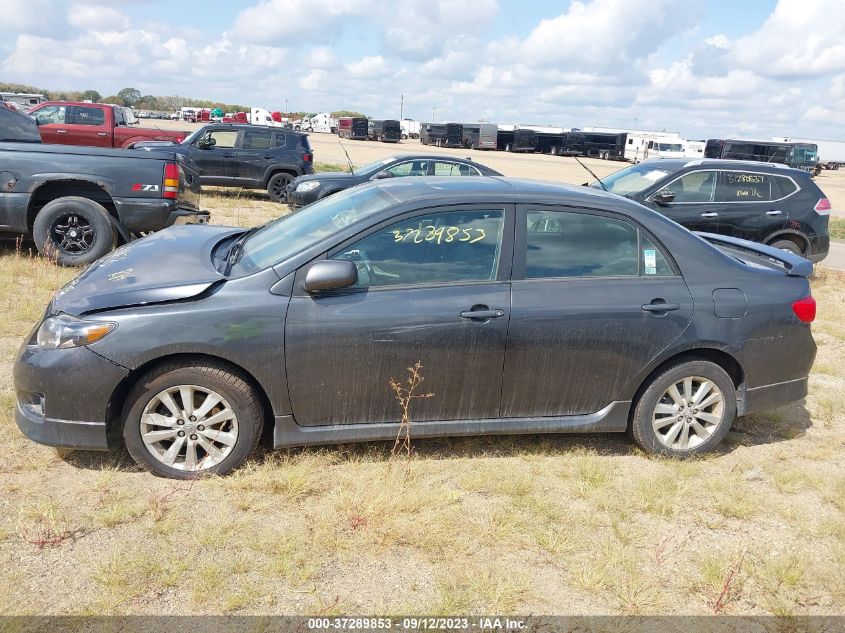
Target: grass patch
(837, 228)
(321, 167)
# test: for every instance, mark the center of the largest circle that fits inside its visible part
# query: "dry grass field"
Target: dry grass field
(538, 524)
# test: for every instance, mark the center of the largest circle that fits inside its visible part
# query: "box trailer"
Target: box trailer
(802, 156)
(386, 130)
(480, 135)
(831, 154)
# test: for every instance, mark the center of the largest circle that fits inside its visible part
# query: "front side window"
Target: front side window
(224, 139)
(453, 246)
(454, 169)
(696, 186)
(736, 186)
(89, 116)
(51, 114)
(409, 168)
(568, 244)
(256, 139)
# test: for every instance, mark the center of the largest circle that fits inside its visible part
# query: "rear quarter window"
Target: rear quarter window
(782, 187)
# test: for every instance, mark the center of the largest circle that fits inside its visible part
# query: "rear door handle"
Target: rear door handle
(661, 307)
(482, 315)
(228, 155)
(773, 212)
(61, 131)
(101, 134)
(710, 214)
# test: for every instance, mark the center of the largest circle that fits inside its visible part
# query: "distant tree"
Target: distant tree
(129, 96)
(341, 113)
(113, 99)
(148, 102)
(91, 95)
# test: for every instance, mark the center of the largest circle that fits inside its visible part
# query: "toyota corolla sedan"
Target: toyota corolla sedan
(533, 308)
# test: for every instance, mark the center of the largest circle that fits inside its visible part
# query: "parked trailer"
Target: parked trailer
(694, 149)
(480, 135)
(640, 147)
(410, 128)
(433, 134)
(550, 142)
(605, 145)
(515, 139)
(354, 128)
(386, 131)
(831, 153)
(802, 156)
(454, 135)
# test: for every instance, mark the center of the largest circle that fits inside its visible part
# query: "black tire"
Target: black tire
(787, 245)
(217, 377)
(641, 429)
(276, 187)
(76, 231)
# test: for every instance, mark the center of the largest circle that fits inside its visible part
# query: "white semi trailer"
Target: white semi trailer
(831, 153)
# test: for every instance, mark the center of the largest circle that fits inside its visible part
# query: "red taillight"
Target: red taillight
(306, 158)
(171, 181)
(805, 309)
(822, 206)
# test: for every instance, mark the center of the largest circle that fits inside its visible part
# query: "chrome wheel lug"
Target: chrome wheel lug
(193, 418)
(193, 436)
(181, 434)
(180, 422)
(200, 428)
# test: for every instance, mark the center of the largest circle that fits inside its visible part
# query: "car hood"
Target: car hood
(171, 265)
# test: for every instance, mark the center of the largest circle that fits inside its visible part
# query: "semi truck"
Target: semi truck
(831, 154)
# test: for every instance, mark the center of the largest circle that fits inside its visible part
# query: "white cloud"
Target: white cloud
(371, 68)
(278, 21)
(97, 18)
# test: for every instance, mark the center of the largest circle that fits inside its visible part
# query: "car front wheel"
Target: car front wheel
(277, 185)
(686, 409)
(185, 420)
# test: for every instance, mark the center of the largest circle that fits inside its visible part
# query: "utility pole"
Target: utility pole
(433, 110)
(286, 107)
(401, 106)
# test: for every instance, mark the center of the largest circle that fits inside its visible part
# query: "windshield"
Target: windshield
(633, 179)
(293, 233)
(669, 147)
(374, 167)
(805, 154)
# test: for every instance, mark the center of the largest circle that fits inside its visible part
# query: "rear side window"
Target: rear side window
(256, 139)
(454, 169)
(782, 187)
(737, 186)
(566, 244)
(88, 116)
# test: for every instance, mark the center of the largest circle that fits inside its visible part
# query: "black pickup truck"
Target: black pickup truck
(244, 155)
(78, 202)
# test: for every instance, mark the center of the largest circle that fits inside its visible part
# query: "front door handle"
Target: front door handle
(660, 306)
(773, 212)
(482, 315)
(228, 155)
(710, 214)
(61, 131)
(101, 134)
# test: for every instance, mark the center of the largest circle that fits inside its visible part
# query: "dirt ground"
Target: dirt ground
(536, 166)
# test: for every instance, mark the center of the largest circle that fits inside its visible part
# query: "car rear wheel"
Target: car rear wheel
(188, 419)
(277, 185)
(76, 231)
(686, 409)
(788, 245)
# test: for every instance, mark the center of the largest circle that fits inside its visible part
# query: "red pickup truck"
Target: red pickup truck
(97, 124)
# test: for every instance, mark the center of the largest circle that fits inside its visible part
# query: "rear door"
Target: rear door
(88, 126)
(751, 204)
(694, 204)
(594, 300)
(253, 156)
(421, 280)
(52, 123)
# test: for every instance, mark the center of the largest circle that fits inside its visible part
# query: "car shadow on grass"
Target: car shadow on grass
(771, 427)
(235, 193)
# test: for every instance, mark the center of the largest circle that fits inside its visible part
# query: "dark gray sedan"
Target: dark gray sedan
(534, 308)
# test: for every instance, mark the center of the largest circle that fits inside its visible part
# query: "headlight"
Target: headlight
(64, 331)
(308, 185)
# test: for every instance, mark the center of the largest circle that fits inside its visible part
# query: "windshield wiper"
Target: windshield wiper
(237, 248)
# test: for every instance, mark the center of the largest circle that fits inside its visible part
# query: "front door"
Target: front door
(53, 123)
(595, 299)
(432, 287)
(694, 205)
(214, 161)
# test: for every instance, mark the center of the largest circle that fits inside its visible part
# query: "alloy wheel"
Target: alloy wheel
(72, 233)
(688, 413)
(188, 427)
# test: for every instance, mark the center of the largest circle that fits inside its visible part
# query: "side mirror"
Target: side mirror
(663, 197)
(331, 274)
(206, 143)
(382, 174)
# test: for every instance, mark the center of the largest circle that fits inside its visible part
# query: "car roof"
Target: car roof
(443, 157)
(677, 164)
(255, 126)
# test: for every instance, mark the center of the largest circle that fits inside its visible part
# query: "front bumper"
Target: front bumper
(297, 199)
(63, 396)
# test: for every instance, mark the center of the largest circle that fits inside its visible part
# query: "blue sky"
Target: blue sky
(715, 67)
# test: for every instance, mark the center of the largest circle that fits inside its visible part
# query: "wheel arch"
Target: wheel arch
(798, 237)
(70, 187)
(291, 171)
(117, 401)
(714, 355)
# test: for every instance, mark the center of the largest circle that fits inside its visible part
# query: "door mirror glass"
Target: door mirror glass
(382, 174)
(663, 197)
(206, 143)
(331, 274)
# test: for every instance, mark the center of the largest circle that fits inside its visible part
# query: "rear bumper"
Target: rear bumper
(143, 215)
(773, 396)
(819, 248)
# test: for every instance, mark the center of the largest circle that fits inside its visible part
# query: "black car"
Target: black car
(766, 203)
(247, 156)
(307, 189)
(533, 308)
